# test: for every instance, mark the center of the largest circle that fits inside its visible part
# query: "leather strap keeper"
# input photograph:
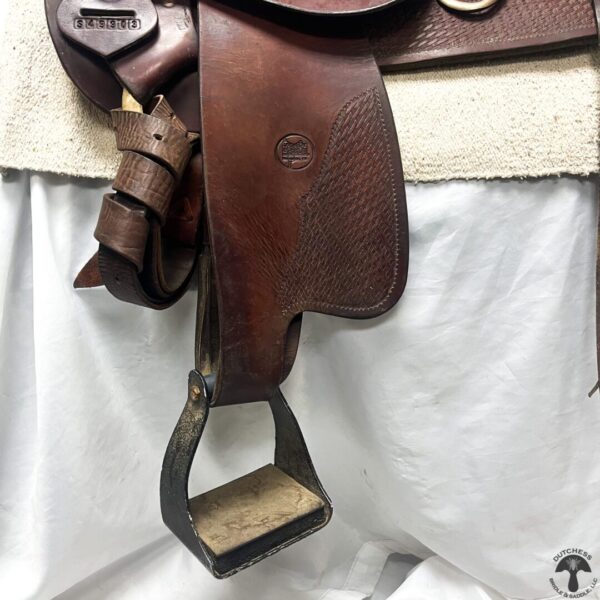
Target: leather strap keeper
(123, 228)
(147, 182)
(151, 136)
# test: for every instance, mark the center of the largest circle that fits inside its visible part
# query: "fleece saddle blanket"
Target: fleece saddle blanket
(510, 118)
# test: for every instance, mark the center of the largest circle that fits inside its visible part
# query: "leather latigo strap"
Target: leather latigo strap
(147, 230)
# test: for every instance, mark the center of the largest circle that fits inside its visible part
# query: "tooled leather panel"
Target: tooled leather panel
(421, 31)
(346, 259)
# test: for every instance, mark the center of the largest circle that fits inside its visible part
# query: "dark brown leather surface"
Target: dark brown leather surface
(146, 181)
(330, 236)
(423, 32)
(97, 81)
(107, 30)
(89, 276)
(169, 252)
(414, 33)
(166, 57)
(122, 227)
(148, 231)
(153, 137)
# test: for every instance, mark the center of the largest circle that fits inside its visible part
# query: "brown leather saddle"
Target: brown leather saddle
(259, 150)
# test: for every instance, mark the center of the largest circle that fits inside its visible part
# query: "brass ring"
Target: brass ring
(463, 6)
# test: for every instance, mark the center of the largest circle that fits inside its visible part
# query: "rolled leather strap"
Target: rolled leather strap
(148, 229)
(123, 227)
(151, 136)
(147, 182)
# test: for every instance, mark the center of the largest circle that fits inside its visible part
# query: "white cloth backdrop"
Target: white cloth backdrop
(456, 427)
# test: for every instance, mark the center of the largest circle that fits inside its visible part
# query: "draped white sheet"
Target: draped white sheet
(457, 425)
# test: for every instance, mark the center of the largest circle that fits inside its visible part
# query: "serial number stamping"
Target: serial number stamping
(110, 24)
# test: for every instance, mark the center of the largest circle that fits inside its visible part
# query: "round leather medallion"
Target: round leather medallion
(295, 151)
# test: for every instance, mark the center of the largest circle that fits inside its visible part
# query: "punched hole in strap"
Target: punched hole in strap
(137, 132)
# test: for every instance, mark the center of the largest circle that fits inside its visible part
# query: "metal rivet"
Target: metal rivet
(195, 392)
